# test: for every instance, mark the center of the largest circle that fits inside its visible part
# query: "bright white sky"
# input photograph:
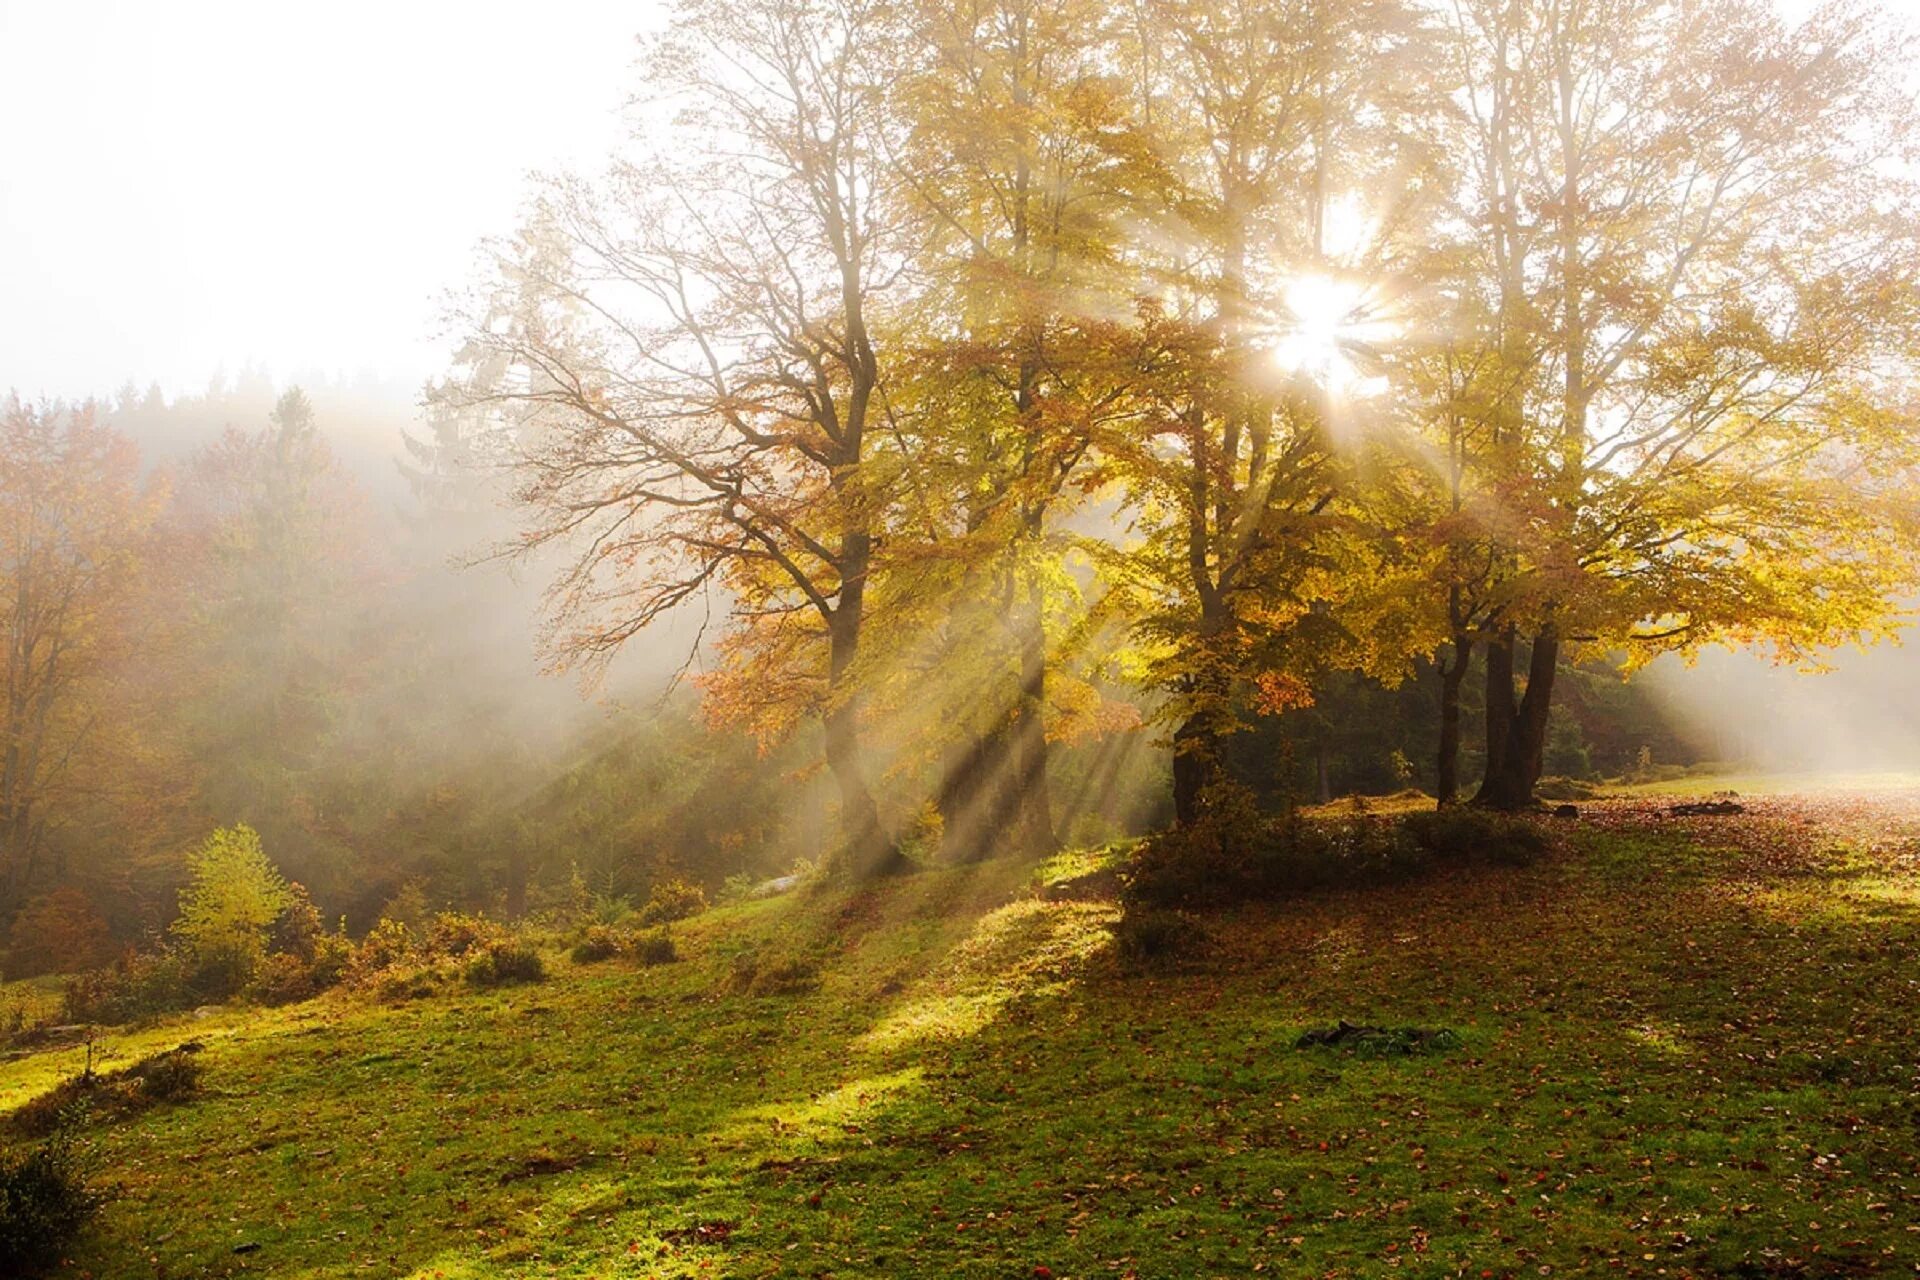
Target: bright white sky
(195, 185)
(187, 185)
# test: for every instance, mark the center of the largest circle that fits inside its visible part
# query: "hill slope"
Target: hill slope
(1686, 1050)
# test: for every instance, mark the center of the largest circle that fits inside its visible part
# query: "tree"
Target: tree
(1237, 470)
(700, 354)
(73, 517)
(231, 901)
(1011, 185)
(1697, 267)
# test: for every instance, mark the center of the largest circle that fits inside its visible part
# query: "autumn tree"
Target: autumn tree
(700, 355)
(1685, 230)
(73, 518)
(1264, 122)
(1009, 176)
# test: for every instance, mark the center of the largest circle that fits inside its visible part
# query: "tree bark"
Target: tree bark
(1453, 674)
(1033, 826)
(1196, 766)
(869, 850)
(1516, 723)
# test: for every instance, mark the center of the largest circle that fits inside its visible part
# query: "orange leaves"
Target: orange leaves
(1278, 691)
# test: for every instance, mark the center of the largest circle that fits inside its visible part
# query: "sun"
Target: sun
(1329, 327)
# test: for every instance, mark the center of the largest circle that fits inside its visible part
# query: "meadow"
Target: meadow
(1684, 1049)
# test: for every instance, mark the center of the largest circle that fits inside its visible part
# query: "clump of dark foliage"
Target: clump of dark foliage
(646, 946)
(45, 1200)
(1155, 937)
(172, 1076)
(1234, 853)
(504, 961)
(1705, 808)
(1380, 1042)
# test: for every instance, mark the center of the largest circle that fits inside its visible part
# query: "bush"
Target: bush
(1233, 853)
(58, 932)
(282, 979)
(44, 1203)
(138, 985)
(503, 961)
(333, 955)
(456, 934)
(597, 944)
(609, 909)
(299, 931)
(1564, 789)
(388, 944)
(1463, 835)
(653, 946)
(648, 946)
(1152, 937)
(673, 899)
(757, 975)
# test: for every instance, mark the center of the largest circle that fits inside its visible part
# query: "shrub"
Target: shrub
(408, 906)
(757, 975)
(1463, 834)
(298, 930)
(609, 909)
(387, 944)
(333, 955)
(503, 961)
(1234, 854)
(673, 899)
(1153, 937)
(407, 982)
(44, 1202)
(234, 897)
(456, 934)
(282, 979)
(58, 932)
(138, 985)
(597, 944)
(653, 946)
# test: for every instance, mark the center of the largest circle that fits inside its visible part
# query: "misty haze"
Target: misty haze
(936, 638)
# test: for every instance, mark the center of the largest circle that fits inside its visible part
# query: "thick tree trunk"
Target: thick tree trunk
(1517, 725)
(1196, 767)
(1453, 674)
(869, 850)
(1033, 832)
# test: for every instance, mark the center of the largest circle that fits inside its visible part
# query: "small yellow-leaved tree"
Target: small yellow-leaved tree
(234, 897)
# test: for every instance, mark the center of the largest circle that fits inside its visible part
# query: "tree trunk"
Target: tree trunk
(1033, 833)
(869, 850)
(1196, 766)
(1453, 674)
(1517, 725)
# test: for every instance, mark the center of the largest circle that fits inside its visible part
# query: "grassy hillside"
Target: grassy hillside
(1687, 1050)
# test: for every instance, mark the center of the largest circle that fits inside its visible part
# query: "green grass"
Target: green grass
(1686, 1050)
